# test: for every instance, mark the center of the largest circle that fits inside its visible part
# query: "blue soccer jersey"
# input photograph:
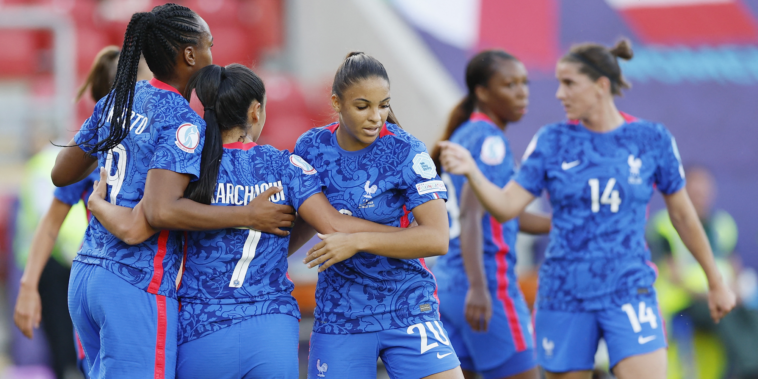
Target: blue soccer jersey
(80, 190)
(165, 133)
(599, 185)
(370, 293)
(231, 275)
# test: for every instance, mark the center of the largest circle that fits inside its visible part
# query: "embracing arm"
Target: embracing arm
(721, 300)
(28, 311)
(166, 208)
(429, 238)
(72, 165)
(316, 214)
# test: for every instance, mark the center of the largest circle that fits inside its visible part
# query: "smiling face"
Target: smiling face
(507, 91)
(577, 92)
(363, 109)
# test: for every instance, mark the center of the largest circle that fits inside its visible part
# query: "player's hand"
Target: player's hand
(721, 300)
(28, 312)
(478, 308)
(269, 217)
(456, 159)
(334, 248)
(99, 189)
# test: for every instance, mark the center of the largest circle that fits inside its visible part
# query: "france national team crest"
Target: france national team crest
(634, 169)
(424, 166)
(187, 137)
(302, 164)
(493, 150)
(321, 367)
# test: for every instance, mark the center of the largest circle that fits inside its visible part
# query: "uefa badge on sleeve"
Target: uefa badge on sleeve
(187, 137)
(424, 166)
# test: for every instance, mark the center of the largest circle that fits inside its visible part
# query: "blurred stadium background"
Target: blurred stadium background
(695, 70)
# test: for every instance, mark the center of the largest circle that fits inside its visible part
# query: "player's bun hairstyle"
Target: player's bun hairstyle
(226, 94)
(597, 61)
(479, 70)
(101, 74)
(358, 66)
(159, 35)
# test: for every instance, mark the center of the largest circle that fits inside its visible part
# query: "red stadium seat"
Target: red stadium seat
(20, 56)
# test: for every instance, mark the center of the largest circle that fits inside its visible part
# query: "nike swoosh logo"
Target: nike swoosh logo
(443, 355)
(566, 166)
(643, 340)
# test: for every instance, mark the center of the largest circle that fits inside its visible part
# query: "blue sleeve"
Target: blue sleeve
(302, 179)
(532, 174)
(669, 175)
(420, 178)
(86, 137)
(179, 147)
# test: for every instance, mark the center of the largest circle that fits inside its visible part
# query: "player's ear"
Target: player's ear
(603, 84)
(482, 94)
(335, 103)
(254, 112)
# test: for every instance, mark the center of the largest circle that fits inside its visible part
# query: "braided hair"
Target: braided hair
(159, 35)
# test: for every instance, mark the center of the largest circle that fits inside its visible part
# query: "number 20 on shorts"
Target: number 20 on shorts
(439, 335)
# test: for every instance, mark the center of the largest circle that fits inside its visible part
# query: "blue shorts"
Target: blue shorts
(505, 349)
(414, 352)
(568, 341)
(260, 347)
(125, 332)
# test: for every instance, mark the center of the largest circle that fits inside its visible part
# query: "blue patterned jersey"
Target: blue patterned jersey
(80, 190)
(233, 274)
(494, 157)
(165, 133)
(369, 293)
(599, 185)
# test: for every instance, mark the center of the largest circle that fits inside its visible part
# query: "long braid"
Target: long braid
(159, 35)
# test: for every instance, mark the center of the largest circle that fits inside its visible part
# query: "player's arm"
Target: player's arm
(28, 311)
(127, 224)
(534, 223)
(301, 233)
(721, 300)
(429, 238)
(478, 305)
(72, 165)
(502, 203)
(166, 208)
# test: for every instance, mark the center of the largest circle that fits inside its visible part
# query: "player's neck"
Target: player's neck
(179, 83)
(234, 135)
(605, 119)
(500, 123)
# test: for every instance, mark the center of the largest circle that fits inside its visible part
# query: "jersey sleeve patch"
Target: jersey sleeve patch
(431, 186)
(187, 137)
(424, 166)
(493, 150)
(302, 164)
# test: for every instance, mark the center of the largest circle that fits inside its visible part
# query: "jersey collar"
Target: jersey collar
(164, 86)
(479, 116)
(627, 117)
(382, 133)
(240, 145)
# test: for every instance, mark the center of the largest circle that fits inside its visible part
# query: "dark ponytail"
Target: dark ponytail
(478, 73)
(356, 67)
(101, 74)
(159, 35)
(226, 94)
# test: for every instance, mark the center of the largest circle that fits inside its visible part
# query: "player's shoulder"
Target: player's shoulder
(646, 130)
(476, 131)
(400, 137)
(313, 136)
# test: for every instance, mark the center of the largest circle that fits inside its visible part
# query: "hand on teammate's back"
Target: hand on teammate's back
(721, 301)
(334, 248)
(99, 189)
(478, 308)
(269, 217)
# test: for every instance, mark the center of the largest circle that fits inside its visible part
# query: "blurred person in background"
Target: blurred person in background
(481, 305)
(58, 233)
(599, 169)
(700, 346)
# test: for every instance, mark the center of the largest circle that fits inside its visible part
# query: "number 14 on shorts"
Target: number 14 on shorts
(642, 315)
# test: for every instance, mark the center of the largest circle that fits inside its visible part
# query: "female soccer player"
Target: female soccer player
(234, 287)
(599, 170)
(482, 306)
(375, 296)
(31, 306)
(150, 141)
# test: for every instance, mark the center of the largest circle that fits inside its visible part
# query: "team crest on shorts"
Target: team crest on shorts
(424, 166)
(187, 137)
(302, 164)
